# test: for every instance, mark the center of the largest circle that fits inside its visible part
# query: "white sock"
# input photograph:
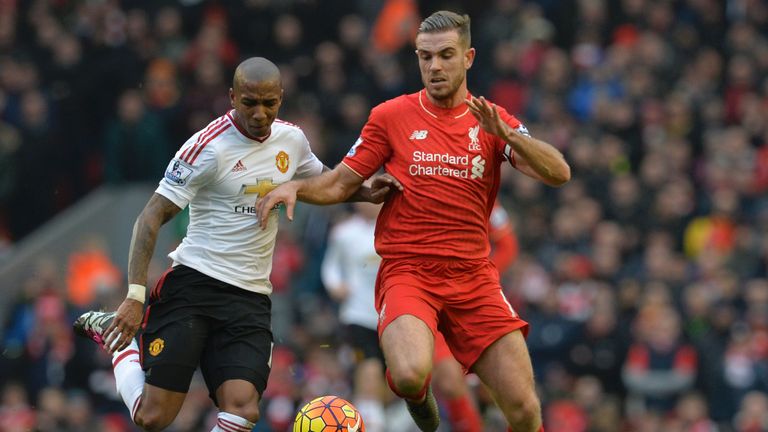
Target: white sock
(231, 423)
(129, 378)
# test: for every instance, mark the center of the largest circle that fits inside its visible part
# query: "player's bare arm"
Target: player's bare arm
(377, 192)
(330, 187)
(157, 212)
(534, 157)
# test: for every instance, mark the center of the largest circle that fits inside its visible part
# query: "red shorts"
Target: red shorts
(461, 299)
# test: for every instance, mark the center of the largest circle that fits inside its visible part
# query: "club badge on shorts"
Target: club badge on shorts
(156, 347)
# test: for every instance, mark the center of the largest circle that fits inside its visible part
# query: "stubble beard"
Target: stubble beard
(449, 91)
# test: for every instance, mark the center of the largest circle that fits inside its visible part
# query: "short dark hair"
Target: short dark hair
(446, 20)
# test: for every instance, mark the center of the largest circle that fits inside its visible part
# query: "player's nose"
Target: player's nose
(259, 114)
(435, 64)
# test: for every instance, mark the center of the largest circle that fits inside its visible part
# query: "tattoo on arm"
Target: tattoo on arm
(156, 213)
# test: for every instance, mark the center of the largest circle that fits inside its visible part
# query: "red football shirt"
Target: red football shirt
(449, 168)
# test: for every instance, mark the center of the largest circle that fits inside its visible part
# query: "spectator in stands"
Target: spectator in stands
(91, 275)
(136, 142)
(660, 367)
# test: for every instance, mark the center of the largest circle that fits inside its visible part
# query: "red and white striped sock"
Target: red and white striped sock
(129, 378)
(231, 423)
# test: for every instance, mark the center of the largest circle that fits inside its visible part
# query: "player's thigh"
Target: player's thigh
(240, 348)
(408, 345)
(407, 318)
(158, 407)
(505, 368)
(171, 349)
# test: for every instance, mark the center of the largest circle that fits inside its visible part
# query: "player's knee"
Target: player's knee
(525, 414)
(239, 398)
(248, 410)
(408, 379)
(152, 419)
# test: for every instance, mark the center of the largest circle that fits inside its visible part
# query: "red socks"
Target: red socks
(463, 415)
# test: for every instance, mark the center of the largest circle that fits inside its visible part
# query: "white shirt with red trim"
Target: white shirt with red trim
(220, 172)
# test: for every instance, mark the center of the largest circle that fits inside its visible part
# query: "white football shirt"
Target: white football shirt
(220, 172)
(351, 260)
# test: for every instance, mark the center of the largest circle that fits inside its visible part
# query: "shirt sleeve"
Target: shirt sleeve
(309, 164)
(182, 180)
(372, 149)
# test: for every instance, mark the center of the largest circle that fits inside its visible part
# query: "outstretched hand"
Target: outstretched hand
(487, 115)
(382, 186)
(283, 194)
(124, 327)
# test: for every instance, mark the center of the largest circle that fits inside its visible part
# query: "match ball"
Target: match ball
(328, 414)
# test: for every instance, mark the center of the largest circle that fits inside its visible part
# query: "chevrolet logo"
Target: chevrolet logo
(261, 188)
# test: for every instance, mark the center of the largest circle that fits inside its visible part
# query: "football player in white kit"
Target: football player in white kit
(212, 307)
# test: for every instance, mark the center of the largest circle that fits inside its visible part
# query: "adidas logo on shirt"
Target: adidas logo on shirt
(239, 167)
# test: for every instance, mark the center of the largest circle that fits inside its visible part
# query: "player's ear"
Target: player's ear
(469, 58)
(232, 97)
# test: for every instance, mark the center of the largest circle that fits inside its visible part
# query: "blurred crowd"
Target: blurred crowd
(645, 279)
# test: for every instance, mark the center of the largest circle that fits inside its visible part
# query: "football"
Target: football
(328, 414)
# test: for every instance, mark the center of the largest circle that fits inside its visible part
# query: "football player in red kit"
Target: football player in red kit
(446, 148)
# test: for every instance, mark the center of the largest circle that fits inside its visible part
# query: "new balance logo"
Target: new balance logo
(418, 135)
(239, 167)
(478, 167)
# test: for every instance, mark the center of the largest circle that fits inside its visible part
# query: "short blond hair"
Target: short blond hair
(441, 21)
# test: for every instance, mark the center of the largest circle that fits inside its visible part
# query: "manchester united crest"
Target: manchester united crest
(156, 346)
(282, 162)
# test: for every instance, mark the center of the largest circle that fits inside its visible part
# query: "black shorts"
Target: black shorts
(364, 342)
(193, 319)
